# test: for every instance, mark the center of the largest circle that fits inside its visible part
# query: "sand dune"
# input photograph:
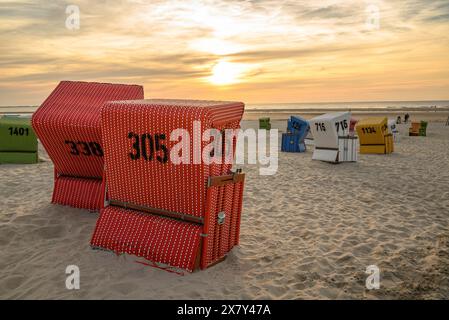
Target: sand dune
(309, 231)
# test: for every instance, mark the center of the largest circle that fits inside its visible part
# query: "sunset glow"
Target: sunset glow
(254, 51)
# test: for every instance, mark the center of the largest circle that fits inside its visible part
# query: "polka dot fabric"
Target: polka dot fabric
(174, 187)
(163, 240)
(180, 188)
(68, 125)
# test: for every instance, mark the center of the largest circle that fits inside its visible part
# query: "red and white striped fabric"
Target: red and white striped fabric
(139, 169)
(68, 125)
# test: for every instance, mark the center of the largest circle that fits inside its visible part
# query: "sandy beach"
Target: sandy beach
(308, 232)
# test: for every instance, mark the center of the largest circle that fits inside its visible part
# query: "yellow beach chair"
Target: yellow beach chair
(374, 136)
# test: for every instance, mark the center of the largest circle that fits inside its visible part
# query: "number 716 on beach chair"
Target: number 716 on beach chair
(333, 143)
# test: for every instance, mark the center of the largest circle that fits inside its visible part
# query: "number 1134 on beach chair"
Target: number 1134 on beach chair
(374, 136)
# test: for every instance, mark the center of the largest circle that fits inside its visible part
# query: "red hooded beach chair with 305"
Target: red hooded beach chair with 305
(182, 215)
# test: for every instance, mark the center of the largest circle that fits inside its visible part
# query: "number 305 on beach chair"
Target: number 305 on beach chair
(178, 214)
(68, 125)
(332, 140)
(374, 136)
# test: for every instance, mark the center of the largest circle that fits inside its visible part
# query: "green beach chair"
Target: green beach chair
(18, 142)
(264, 123)
(423, 129)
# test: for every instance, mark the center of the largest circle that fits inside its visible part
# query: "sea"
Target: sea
(361, 105)
(442, 105)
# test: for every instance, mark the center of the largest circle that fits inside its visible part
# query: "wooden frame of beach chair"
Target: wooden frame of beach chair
(331, 137)
(68, 125)
(176, 215)
(374, 136)
(18, 141)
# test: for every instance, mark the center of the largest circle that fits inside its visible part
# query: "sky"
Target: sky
(256, 51)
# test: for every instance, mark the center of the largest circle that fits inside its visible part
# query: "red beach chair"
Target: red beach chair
(176, 215)
(352, 124)
(68, 125)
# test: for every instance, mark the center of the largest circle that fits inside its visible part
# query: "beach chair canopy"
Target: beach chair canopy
(328, 127)
(68, 125)
(18, 142)
(298, 126)
(142, 138)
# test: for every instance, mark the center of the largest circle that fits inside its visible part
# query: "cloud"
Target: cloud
(174, 44)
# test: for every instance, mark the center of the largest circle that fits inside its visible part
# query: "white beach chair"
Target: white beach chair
(393, 127)
(332, 140)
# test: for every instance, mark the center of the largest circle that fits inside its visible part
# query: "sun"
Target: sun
(226, 73)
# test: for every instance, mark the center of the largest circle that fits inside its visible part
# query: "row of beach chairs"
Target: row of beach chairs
(110, 150)
(418, 129)
(335, 138)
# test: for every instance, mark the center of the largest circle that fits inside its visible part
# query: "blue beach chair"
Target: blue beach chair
(293, 140)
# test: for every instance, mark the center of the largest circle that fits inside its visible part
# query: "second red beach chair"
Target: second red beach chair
(68, 125)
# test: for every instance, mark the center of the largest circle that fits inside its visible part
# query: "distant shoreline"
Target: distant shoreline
(437, 114)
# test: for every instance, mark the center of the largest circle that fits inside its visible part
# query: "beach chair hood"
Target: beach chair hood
(326, 130)
(68, 125)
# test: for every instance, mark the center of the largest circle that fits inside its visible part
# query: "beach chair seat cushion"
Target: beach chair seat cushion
(82, 193)
(168, 241)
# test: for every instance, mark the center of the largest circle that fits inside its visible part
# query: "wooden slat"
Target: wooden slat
(224, 180)
(159, 212)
